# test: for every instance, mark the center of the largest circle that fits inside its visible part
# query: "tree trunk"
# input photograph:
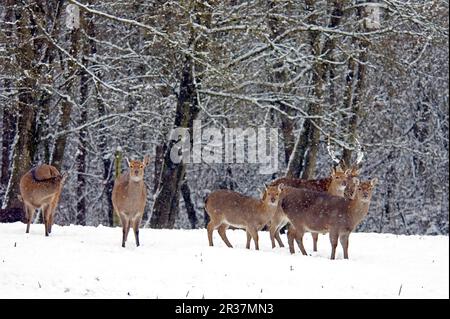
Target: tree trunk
(159, 159)
(53, 16)
(337, 13)
(108, 179)
(295, 164)
(166, 206)
(353, 98)
(89, 49)
(9, 123)
(303, 160)
(60, 143)
(287, 129)
(81, 155)
(279, 76)
(321, 71)
(8, 134)
(186, 192)
(117, 172)
(26, 114)
(108, 172)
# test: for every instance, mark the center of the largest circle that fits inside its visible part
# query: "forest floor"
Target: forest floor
(89, 262)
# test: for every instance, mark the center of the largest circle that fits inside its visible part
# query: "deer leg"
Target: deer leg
(315, 237)
(45, 216)
(51, 213)
(334, 236)
(343, 238)
(299, 240)
(50, 222)
(136, 224)
(125, 228)
(210, 228)
(272, 231)
(254, 233)
(29, 211)
(53, 205)
(222, 232)
(278, 238)
(291, 236)
(249, 238)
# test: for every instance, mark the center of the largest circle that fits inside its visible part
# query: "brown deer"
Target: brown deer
(40, 188)
(228, 208)
(320, 212)
(335, 184)
(354, 172)
(129, 197)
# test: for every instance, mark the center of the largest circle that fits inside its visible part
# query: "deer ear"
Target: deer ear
(128, 161)
(355, 181)
(355, 171)
(374, 181)
(348, 172)
(263, 193)
(146, 160)
(281, 187)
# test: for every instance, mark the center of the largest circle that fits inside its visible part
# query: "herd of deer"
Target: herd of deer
(334, 205)
(40, 188)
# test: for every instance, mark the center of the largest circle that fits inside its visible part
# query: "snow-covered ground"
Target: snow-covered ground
(89, 262)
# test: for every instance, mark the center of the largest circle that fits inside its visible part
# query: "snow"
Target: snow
(89, 262)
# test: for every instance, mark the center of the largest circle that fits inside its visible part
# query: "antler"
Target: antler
(331, 152)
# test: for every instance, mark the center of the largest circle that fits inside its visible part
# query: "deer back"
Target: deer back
(40, 185)
(230, 206)
(319, 185)
(315, 211)
(44, 172)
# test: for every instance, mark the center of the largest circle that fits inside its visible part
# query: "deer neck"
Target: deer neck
(359, 209)
(335, 190)
(134, 186)
(266, 208)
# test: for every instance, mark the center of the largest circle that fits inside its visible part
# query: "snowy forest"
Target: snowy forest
(86, 84)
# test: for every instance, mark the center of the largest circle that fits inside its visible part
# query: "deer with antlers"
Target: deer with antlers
(349, 193)
(335, 184)
(319, 212)
(339, 183)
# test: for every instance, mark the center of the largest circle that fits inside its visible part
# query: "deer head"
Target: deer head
(340, 177)
(137, 168)
(364, 190)
(272, 194)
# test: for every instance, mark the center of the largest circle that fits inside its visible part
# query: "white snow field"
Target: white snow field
(89, 262)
